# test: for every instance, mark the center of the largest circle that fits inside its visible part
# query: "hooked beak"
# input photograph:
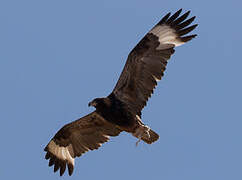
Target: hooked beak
(92, 104)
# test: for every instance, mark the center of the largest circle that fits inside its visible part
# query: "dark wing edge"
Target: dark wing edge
(76, 138)
(147, 62)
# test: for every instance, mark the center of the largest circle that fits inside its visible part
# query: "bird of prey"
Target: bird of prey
(121, 109)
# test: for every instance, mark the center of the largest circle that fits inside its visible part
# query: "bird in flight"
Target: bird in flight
(121, 109)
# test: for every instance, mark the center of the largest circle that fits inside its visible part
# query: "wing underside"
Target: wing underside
(76, 138)
(147, 62)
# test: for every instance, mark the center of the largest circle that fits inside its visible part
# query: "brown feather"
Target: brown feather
(76, 138)
(147, 62)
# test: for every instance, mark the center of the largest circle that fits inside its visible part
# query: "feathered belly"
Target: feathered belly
(123, 119)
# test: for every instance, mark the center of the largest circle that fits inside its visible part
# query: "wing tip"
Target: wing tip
(59, 164)
(171, 29)
(188, 38)
(70, 168)
(177, 21)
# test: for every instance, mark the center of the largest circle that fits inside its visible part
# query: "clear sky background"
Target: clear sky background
(57, 55)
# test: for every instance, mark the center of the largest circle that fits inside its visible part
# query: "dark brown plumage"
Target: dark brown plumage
(121, 110)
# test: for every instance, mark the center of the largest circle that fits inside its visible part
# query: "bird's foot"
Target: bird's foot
(140, 132)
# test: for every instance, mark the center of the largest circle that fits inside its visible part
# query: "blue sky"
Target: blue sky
(57, 55)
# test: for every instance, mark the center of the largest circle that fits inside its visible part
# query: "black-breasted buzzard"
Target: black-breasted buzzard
(121, 110)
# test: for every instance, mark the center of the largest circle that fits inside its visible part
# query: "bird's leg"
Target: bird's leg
(137, 142)
(140, 132)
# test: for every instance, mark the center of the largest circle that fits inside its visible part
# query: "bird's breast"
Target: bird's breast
(118, 115)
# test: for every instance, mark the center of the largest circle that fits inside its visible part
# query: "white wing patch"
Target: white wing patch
(166, 35)
(157, 80)
(61, 152)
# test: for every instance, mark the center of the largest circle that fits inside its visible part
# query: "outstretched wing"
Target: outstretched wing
(76, 138)
(146, 63)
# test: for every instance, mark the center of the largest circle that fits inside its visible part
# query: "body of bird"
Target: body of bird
(116, 112)
(121, 110)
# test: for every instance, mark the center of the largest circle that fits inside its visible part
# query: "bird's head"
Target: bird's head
(96, 102)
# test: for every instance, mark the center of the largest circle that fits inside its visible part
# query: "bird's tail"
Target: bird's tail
(153, 136)
(143, 132)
